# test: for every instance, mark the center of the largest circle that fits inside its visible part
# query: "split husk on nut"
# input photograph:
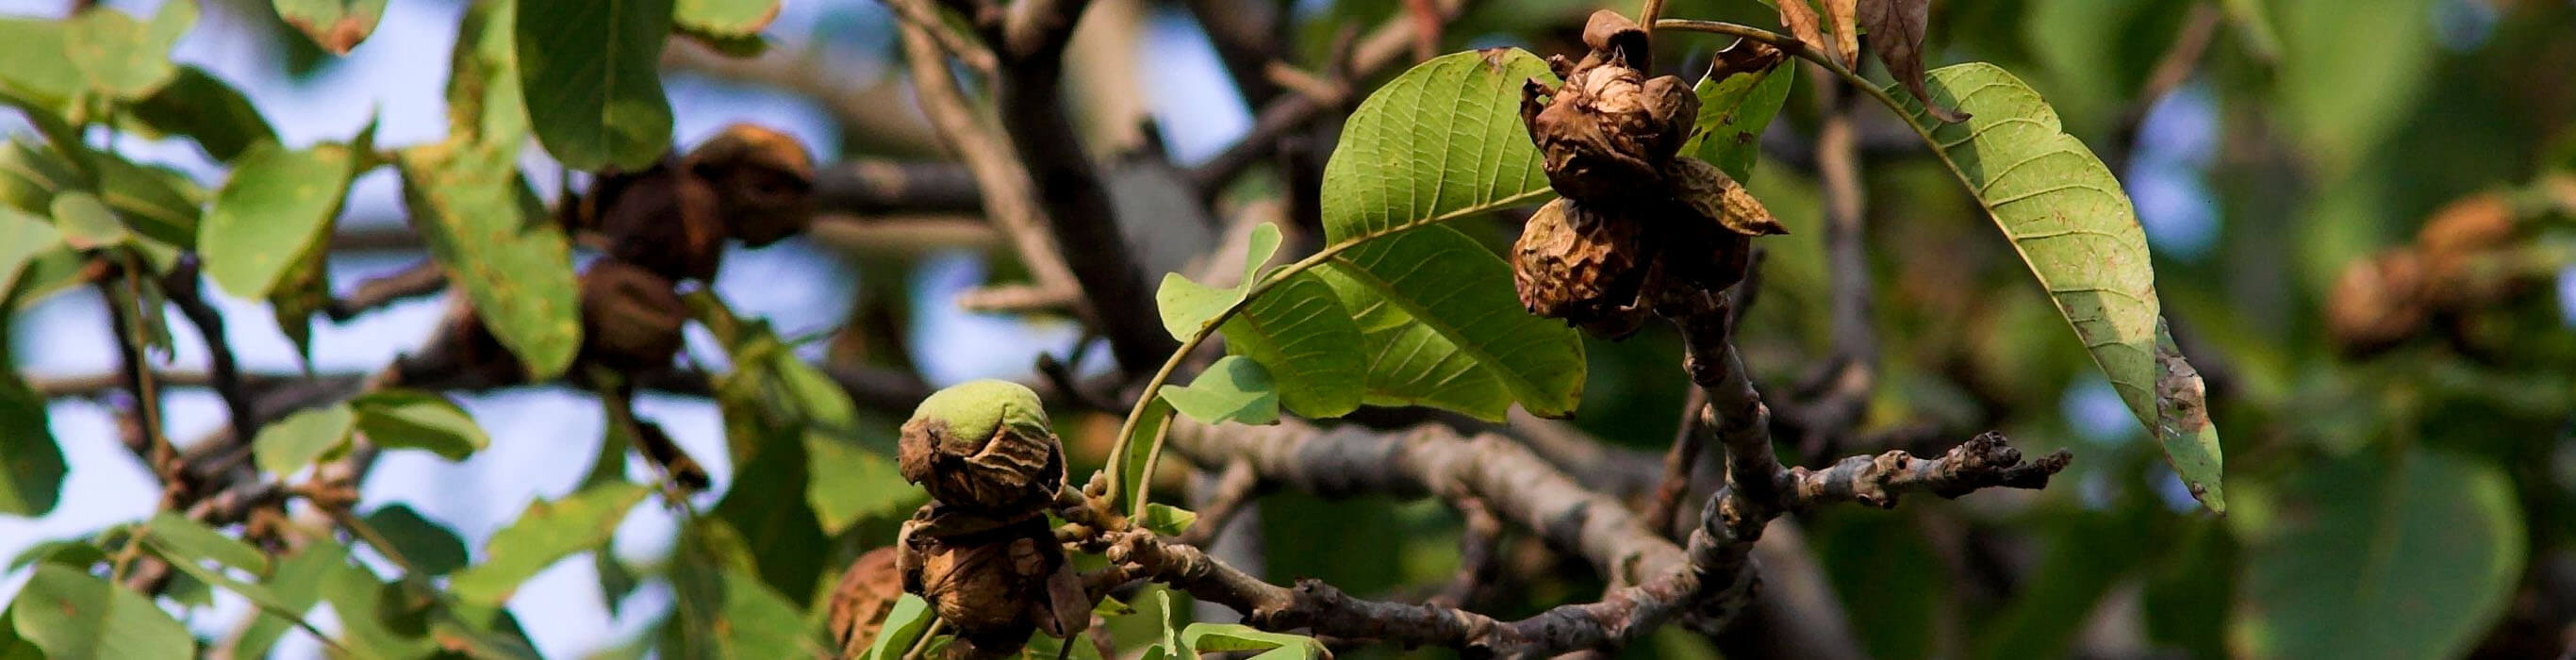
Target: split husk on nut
(1639, 225)
(994, 585)
(984, 446)
(1583, 266)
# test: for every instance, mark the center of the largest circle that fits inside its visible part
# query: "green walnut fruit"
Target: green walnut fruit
(984, 446)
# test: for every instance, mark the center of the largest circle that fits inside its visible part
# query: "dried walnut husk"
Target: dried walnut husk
(1583, 266)
(984, 446)
(1608, 130)
(995, 586)
(1639, 226)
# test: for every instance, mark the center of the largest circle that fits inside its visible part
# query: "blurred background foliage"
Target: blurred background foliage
(2400, 452)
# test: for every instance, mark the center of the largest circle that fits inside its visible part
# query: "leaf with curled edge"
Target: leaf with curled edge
(2073, 225)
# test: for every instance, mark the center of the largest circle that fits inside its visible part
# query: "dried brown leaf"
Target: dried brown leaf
(1896, 34)
(1802, 21)
(1846, 30)
(1709, 192)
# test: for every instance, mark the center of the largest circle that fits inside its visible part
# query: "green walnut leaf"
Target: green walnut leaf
(71, 614)
(1733, 111)
(287, 445)
(1442, 325)
(2073, 225)
(1234, 389)
(590, 71)
(1296, 330)
(484, 224)
(547, 532)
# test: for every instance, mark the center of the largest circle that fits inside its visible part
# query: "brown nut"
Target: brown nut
(663, 219)
(630, 318)
(762, 179)
(2378, 303)
(863, 597)
(995, 586)
(1583, 266)
(986, 446)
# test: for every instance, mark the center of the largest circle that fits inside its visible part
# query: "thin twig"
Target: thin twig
(1679, 463)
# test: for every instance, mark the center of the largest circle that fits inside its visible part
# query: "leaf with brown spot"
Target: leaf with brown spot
(1802, 21)
(335, 25)
(1896, 34)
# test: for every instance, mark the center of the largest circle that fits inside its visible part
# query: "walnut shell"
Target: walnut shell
(630, 318)
(1583, 266)
(763, 182)
(664, 219)
(984, 445)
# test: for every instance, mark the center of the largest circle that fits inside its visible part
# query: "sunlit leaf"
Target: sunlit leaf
(724, 18)
(419, 420)
(275, 206)
(1444, 141)
(287, 445)
(124, 58)
(2073, 225)
(1168, 520)
(545, 533)
(86, 222)
(1233, 389)
(72, 614)
(1734, 108)
(484, 224)
(1229, 637)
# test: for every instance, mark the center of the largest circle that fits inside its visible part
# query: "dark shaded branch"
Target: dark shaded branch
(874, 187)
(1833, 398)
(224, 374)
(415, 281)
(1679, 463)
(1030, 98)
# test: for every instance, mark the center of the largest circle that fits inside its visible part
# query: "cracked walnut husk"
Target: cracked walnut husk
(1583, 266)
(986, 446)
(996, 585)
(1608, 129)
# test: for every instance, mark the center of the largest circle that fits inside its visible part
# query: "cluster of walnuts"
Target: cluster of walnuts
(1638, 225)
(658, 227)
(982, 552)
(2461, 262)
